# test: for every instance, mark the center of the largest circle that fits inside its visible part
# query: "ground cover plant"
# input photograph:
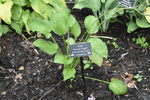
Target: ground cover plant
(43, 70)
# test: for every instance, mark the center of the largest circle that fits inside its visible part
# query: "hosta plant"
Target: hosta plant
(15, 13)
(109, 10)
(63, 23)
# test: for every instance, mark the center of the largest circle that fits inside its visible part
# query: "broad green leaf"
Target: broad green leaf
(142, 22)
(5, 29)
(103, 1)
(42, 8)
(40, 25)
(118, 87)
(147, 11)
(132, 26)
(17, 27)
(58, 23)
(58, 2)
(99, 50)
(20, 2)
(108, 4)
(46, 46)
(72, 20)
(25, 17)
(68, 72)
(5, 12)
(62, 59)
(35, 15)
(89, 24)
(92, 4)
(62, 10)
(16, 12)
(75, 28)
(71, 41)
(1, 30)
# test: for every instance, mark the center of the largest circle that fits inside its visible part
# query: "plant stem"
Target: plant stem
(68, 44)
(76, 62)
(94, 79)
(57, 44)
(64, 41)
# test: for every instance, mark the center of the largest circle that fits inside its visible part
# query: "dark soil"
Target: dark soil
(40, 78)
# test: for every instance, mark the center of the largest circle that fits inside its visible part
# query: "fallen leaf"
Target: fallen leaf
(21, 68)
(131, 84)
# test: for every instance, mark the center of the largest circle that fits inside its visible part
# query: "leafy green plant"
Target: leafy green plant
(109, 9)
(138, 77)
(136, 16)
(63, 22)
(87, 64)
(15, 13)
(103, 9)
(141, 41)
(116, 85)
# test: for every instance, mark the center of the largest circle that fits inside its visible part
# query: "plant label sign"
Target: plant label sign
(127, 3)
(78, 50)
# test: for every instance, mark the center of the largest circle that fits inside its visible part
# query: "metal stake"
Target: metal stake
(83, 79)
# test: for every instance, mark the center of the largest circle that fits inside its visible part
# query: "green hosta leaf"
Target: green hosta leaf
(68, 73)
(99, 50)
(46, 46)
(108, 4)
(141, 22)
(5, 12)
(118, 87)
(103, 1)
(1, 30)
(71, 41)
(59, 24)
(35, 15)
(58, 2)
(20, 2)
(16, 11)
(88, 23)
(75, 28)
(25, 17)
(42, 8)
(92, 4)
(5, 29)
(63, 10)
(17, 27)
(62, 59)
(147, 11)
(40, 25)
(132, 26)
(71, 21)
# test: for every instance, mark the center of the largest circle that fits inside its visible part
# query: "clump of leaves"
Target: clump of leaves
(141, 41)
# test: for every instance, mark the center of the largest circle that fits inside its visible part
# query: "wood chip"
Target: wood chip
(60, 66)
(21, 68)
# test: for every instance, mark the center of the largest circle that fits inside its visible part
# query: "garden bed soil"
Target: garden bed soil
(27, 73)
